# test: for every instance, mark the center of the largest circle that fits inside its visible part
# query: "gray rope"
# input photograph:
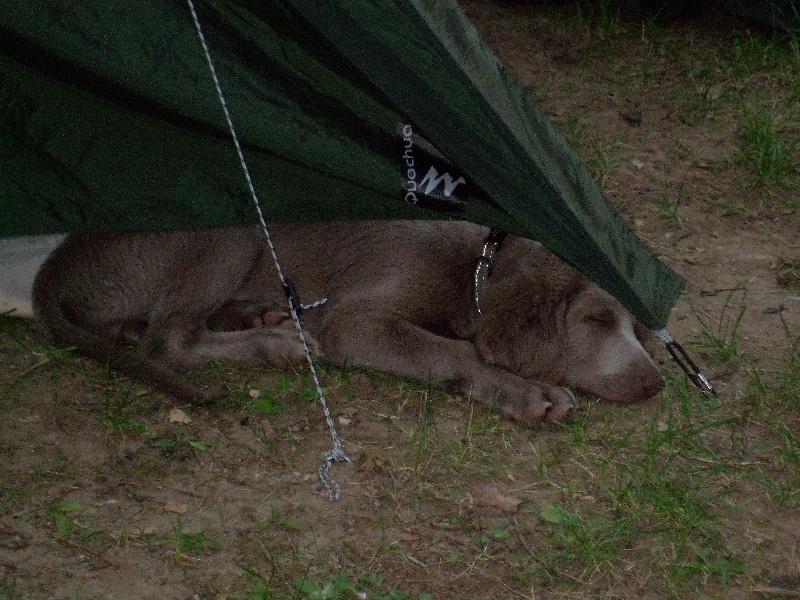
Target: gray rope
(336, 454)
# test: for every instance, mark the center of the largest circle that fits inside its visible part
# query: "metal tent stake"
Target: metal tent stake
(685, 362)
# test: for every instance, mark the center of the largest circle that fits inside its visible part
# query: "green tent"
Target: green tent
(346, 109)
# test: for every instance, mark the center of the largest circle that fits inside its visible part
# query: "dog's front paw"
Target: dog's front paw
(563, 404)
(542, 403)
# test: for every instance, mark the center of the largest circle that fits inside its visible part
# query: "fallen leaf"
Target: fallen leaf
(491, 496)
(174, 507)
(176, 415)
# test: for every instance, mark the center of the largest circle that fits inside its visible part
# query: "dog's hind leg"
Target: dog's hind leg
(278, 346)
(164, 357)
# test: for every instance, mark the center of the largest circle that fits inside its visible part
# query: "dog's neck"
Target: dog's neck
(483, 265)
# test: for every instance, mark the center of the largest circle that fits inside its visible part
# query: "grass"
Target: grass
(770, 148)
(339, 587)
(720, 337)
(669, 208)
(187, 543)
(646, 487)
(651, 498)
(66, 519)
(602, 17)
(762, 75)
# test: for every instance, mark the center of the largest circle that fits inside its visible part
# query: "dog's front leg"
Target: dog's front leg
(399, 347)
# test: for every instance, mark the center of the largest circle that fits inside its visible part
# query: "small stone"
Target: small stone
(176, 415)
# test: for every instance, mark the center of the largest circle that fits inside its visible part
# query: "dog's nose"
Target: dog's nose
(651, 384)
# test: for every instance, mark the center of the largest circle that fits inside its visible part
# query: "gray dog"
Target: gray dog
(402, 300)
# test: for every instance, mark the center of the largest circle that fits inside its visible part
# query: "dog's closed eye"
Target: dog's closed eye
(603, 318)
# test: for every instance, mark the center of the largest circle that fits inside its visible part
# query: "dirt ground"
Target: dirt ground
(105, 492)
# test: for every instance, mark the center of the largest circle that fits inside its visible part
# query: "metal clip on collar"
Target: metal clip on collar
(483, 266)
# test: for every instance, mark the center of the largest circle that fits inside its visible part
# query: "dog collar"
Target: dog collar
(483, 265)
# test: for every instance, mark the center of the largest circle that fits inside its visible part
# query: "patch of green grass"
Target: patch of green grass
(773, 400)
(290, 576)
(600, 162)
(66, 519)
(478, 448)
(669, 208)
(10, 495)
(116, 410)
(269, 397)
(701, 101)
(720, 337)
(179, 438)
(770, 149)
(277, 520)
(8, 591)
(47, 357)
(600, 16)
(645, 497)
(187, 543)
(752, 53)
(423, 440)
(339, 587)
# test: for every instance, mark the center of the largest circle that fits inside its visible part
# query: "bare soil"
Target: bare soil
(101, 496)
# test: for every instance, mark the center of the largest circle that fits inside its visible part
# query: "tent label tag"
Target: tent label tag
(428, 179)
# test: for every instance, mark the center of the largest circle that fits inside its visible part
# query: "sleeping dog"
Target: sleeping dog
(402, 299)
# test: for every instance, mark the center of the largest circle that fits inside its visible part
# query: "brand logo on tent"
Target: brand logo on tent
(433, 179)
(441, 188)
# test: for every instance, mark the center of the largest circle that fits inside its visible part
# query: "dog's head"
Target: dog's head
(607, 349)
(547, 322)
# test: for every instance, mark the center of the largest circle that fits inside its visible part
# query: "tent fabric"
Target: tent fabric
(111, 121)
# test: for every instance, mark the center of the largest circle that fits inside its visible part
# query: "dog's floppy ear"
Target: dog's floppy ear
(523, 325)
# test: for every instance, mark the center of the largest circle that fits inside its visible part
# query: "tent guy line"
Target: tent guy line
(336, 454)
